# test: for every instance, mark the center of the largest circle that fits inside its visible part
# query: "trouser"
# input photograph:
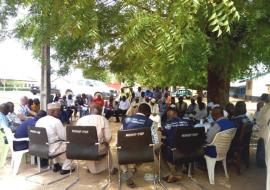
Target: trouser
(165, 167)
(127, 167)
(108, 113)
(57, 148)
(98, 166)
(122, 113)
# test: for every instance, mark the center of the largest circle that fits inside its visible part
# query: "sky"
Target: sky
(17, 62)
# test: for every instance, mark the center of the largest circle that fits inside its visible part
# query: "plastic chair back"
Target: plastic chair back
(222, 142)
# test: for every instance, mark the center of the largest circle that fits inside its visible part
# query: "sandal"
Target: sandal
(131, 184)
(173, 179)
(165, 178)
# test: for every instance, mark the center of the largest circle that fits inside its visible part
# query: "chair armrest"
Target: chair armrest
(117, 147)
(58, 141)
(151, 145)
(21, 139)
(170, 148)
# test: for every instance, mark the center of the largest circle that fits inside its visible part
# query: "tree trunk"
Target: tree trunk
(200, 92)
(218, 83)
(45, 87)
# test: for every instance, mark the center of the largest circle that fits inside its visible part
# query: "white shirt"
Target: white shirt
(124, 105)
(138, 94)
(154, 108)
(55, 131)
(70, 102)
(101, 124)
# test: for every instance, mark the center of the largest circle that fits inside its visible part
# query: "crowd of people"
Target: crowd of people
(155, 109)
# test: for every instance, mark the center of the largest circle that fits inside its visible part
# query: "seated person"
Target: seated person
(182, 106)
(104, 136)
(139, 120)
(162, 107)
(155, 113)
(30, 102)
(109, 107)
(124, 105)
(56, 133)
(65, 111)
(220, 124)
(12, 116)
(201, 112)
(4, 122)
(98, 100)
(36, 105)
(22, 131)
(260, 105)
(24, 111)
(133, 107)
(192, 107)
(172, 122)
(242, 122)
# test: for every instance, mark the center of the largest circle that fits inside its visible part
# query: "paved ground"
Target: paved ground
(251, 179)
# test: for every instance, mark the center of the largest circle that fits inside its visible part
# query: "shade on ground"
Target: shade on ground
(250, 179)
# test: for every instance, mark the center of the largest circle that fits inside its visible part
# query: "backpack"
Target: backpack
(260, 154)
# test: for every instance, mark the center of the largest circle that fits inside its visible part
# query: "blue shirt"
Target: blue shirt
(220, 125)
(170, 125)
(22, 132)
(24, 110)
(137, 121)
(4, 121)
(140, 121)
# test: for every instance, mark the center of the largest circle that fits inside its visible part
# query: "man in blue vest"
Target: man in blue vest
(22, 131)
(220, 124)
(172, 122)
(139, 120)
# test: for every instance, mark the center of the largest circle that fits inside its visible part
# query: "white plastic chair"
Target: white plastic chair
(16, 155)
(3, 151)
(222, 142)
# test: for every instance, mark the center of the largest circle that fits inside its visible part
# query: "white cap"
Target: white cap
(52, 106)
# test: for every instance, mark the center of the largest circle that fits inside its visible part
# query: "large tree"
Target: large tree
(198, 44)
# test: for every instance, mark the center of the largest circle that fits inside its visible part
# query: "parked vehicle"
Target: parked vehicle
(87, 86)
(36, 90)
(182, 92)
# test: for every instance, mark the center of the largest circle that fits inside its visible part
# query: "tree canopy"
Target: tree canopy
(163, 42)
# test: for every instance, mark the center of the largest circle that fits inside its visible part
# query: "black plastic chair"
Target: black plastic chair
(82, 144)
(187, 147)
(39, 147)
(135, 146)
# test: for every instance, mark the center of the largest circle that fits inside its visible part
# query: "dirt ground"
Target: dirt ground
(250, 179)
(253, 178)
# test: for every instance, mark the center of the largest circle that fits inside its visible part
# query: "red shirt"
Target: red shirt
(98, 101)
